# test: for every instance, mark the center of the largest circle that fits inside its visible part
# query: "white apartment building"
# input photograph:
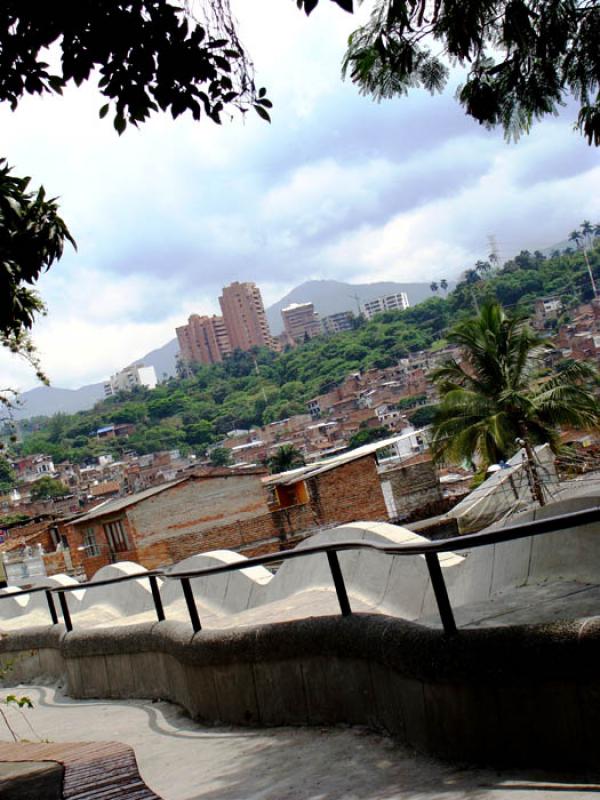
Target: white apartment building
(301, 321)
(129, 378)
(389, 302)
(336, 323)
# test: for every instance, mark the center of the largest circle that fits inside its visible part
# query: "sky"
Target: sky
(336, 187)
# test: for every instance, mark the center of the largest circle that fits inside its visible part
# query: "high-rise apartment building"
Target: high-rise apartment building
(130, 377)
(203, 340)
(244, 316)
(336, 323)
(300, 321)
(390, 302)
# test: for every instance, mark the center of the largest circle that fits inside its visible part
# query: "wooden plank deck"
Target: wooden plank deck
(93, 770)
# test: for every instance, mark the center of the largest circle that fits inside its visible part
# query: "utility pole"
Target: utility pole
(262, 388)
(533, 476)
(589, 269)
(494, 256)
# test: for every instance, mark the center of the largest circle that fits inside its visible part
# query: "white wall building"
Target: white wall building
(389, 302)
(129, 378)
(335, 323)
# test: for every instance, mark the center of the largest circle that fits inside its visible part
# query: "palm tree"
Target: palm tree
(587, 230)
(491, 403)
(580, 237)
(433, 286)
(472, 276)
(285, 457)
(444, 285)
(575, 236)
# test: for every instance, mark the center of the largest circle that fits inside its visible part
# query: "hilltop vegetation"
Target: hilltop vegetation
(259, 387)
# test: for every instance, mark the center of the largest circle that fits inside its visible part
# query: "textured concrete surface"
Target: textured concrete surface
(540, 603)
(527, 695)
(182, 760)
(31, 780)
(540, 579)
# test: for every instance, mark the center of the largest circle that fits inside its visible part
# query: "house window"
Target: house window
(294, 495)
(116, 536)
(89, 542)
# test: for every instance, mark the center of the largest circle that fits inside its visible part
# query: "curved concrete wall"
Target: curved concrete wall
(396, 585)
(521, 695)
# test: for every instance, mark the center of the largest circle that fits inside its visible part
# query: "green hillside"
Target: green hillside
(260, 387)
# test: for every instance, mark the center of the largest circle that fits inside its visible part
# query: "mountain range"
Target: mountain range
(328, 297)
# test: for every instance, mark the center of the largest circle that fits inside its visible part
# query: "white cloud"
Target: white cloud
(336, 187)
(444, 236)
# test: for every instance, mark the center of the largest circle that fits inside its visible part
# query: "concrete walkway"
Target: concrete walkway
(182, 760)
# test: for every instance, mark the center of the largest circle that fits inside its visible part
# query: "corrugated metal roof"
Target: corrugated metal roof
(318, 467)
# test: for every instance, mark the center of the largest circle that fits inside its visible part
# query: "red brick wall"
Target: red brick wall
(348, 493)
(243, 536)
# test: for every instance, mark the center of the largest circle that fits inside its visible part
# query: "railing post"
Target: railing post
(441, 593)
(338, 581)
(51, 607)
(65, 610)
(191, 604)
(158, 606)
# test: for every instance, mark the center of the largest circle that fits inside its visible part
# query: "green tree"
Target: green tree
(423, 416)
(490, 401)
(57, 427)
(164, 59)
(8, 477)
(368, 435)
(220, 457)
(48, 487)
(285, 458)
(525, 58)
(32, 238)
(199, 433)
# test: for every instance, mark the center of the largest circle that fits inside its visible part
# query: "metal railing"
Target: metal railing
(430, 550)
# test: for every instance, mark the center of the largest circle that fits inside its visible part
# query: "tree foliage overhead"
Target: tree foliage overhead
(523, 57)
(32, 237)
(150, 55)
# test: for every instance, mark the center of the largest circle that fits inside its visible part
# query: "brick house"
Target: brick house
(342, 489)
(412, 489)
(161, 525)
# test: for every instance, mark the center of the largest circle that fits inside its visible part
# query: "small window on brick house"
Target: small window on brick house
(116, 536)
(89, 542)
(293, 495)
